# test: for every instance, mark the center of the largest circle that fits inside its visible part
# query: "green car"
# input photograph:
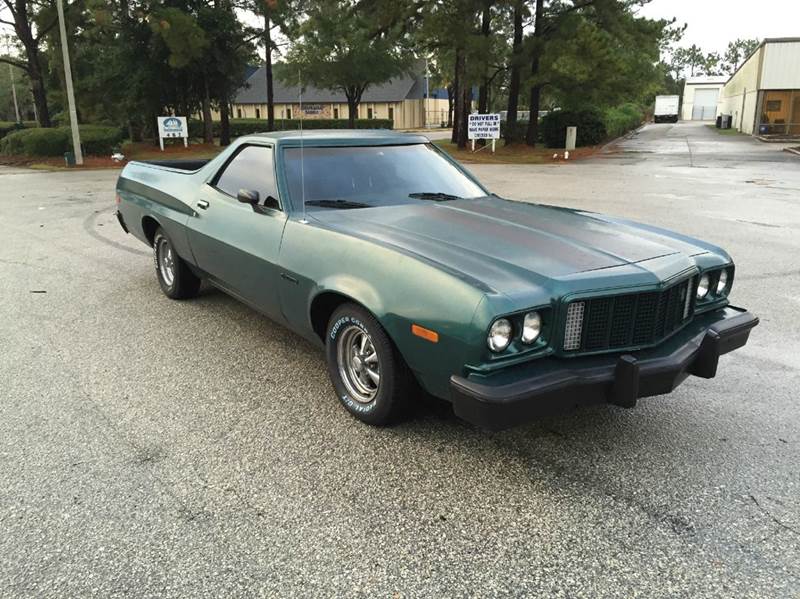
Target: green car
(410, 274)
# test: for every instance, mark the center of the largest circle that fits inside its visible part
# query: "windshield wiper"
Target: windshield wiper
(343, 204)
(436, 196)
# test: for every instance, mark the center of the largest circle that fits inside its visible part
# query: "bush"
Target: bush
(7, 127)
(520, 129)
(241, 127)
(95, 140)
(590, 123)
(621, 119)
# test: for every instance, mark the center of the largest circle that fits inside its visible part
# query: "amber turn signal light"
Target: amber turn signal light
(426, 334)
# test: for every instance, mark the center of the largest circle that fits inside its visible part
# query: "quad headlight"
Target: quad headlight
(499, 335)
(722, 282)
(703, 287)
(531, 327)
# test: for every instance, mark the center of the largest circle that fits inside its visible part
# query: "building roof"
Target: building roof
(707, 80)
(323, 137)
(398, 89)
(764, 42)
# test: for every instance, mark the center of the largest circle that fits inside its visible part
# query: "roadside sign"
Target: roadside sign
(170, 127)
(483, 126)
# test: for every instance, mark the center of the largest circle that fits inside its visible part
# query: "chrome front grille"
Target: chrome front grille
(628, 319)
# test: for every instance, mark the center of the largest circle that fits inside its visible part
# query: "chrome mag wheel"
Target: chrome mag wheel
(166, 261)
(358, 363)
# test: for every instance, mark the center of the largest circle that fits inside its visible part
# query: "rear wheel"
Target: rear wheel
(370, 377)
(176, 279)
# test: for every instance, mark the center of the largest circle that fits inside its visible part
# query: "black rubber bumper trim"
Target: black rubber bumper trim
(122, 222)
(620, 380)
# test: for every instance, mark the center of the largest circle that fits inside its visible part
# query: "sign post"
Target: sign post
(483, 126)
(172, 127)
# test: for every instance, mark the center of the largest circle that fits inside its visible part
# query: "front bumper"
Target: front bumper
(550, 385)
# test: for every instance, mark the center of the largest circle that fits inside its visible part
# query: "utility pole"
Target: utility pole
(14, 92)
(427, 90)
(73, 114)
(13, 83)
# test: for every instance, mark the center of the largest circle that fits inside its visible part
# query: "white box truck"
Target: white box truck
(666, 109)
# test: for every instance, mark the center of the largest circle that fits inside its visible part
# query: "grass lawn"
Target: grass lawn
(516, 154)
(730, 131)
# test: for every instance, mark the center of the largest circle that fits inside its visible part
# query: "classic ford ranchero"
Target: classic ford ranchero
(384, 251)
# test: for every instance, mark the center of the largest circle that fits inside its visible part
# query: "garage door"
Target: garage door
(705, 104)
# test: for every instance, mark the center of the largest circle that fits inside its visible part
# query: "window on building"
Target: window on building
(238, 113)
(369, 112)
(780, 113)
(289, 113)
(336, 112)
(258, 113)
(250, 169)
(391, 113)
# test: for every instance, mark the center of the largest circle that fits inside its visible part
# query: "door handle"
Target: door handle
(202, 204)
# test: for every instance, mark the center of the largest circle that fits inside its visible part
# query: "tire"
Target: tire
(176, 279)
(352, 337)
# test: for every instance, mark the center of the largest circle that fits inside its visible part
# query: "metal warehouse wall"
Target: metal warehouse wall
(739, 97)
(781, 66)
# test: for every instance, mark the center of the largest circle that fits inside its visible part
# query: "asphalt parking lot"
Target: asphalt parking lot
(185, 449)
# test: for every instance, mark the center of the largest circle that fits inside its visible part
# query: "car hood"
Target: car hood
(505, 244)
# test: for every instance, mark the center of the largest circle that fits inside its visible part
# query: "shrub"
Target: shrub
(590, 123)
(7, 127)
(621, 119)
(241, 127)
(95, 140)
(520, 129)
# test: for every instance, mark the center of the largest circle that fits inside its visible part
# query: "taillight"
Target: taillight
(119, 199)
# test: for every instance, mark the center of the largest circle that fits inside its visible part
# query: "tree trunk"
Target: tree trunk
(457, 95)
(486, 29)
(208, 124)
(268, 66)
(450, 95)
(224, 118)
(514, 83)
(466, 106)
(532, 134)
(23, 29)
(352, 108)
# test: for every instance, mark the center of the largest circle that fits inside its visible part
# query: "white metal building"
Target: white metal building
(763, 95)
(700, 97)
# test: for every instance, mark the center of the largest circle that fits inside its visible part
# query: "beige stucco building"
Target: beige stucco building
(401, 100)
(763, 95)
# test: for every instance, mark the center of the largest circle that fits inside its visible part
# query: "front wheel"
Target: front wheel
(176, 279)
(370, 377)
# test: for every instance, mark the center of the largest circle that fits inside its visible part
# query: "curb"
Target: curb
(792, 150)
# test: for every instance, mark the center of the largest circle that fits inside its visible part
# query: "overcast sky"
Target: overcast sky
(739, 19)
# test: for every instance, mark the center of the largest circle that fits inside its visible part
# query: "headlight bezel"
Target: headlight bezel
(518, 347)
(715, 296)
(490, 336)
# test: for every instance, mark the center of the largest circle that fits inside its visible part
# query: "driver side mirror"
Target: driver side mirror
(248, 196)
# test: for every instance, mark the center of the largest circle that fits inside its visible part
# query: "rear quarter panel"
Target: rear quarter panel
(163, 194)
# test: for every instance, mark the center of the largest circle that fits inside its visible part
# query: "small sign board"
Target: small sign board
(170, 127)
(483, 126)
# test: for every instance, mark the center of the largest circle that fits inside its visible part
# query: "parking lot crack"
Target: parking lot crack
(772, 517)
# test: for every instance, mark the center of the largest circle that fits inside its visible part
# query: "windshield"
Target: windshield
(368, 176)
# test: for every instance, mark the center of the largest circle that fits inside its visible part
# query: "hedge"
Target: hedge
(241, 127)
(95, 140)
(590, 123)
(7, 127)
(621, 119)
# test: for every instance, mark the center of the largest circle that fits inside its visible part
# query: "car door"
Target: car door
(237, 243)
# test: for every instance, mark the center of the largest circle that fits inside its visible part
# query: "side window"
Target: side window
(251, 169)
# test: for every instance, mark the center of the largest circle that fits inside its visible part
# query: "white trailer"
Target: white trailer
(666, 109)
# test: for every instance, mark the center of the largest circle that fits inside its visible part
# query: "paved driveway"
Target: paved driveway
(159, 448)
